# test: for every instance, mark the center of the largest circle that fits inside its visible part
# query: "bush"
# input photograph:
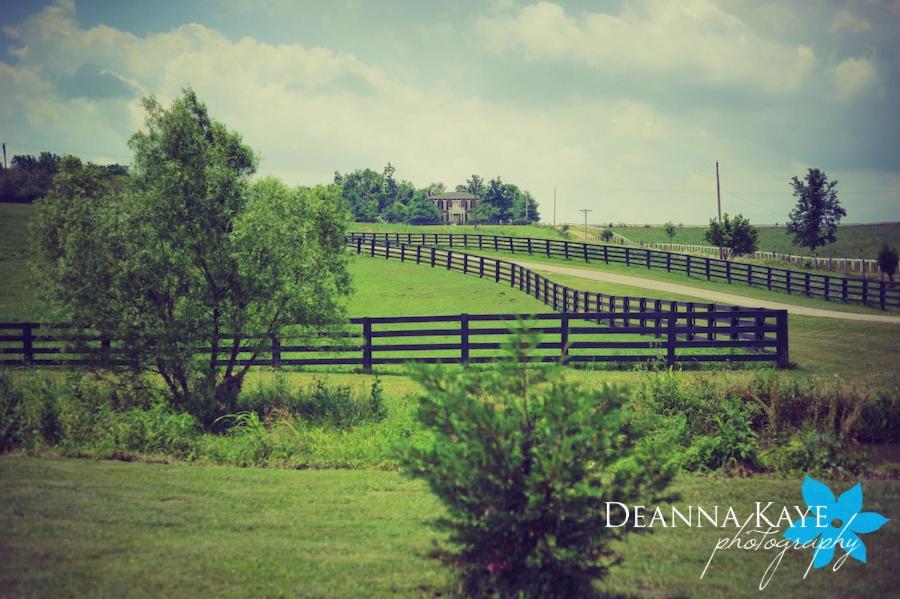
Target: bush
(524, 467)
(318, 403)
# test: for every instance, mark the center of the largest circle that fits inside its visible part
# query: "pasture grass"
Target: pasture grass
(853, 240)
(104, 528)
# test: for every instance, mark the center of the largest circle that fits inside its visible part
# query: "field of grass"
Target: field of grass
(79, 527)
(511, 230)
(853, 241)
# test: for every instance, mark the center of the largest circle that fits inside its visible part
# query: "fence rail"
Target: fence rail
(670, 336)
(863, 266)
(879, 294)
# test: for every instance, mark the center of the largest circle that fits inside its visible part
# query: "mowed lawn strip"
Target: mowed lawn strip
(80, 527)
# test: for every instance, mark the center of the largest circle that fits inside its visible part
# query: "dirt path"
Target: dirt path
(716, 296)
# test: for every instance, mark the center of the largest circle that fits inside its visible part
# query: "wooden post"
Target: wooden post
(367, 344)
(690, 321)
(671, 339)
(276, 351)
(563, 337)
(881, 297)
(781, 334)
(735, 321)
(548, 247)
(28, 342)
(584, 248)
(418, 254)
(432, 257)
(668, 262)
(689, 265)
(865, 291)
(529, 245)
(372, 247)
(787, 281)
(707, 269)
(566, 248)
(359, 245)
(402, 252)
(480, 266)
(464, 337)
(465, 263)
(606, 254)
(449, 257)
(627, 256)
(387, 248)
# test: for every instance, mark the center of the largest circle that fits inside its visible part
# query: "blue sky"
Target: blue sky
(623, 107)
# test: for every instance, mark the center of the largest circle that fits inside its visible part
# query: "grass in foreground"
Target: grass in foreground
(77, 527)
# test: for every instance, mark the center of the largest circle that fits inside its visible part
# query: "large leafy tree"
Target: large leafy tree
(814, 220)
(190, 253)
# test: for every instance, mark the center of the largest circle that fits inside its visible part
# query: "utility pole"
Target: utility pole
(719, 204)
(585, 210)
(5, 173)
(554, 207)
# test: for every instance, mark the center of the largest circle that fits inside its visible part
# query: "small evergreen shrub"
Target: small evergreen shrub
(524, 464)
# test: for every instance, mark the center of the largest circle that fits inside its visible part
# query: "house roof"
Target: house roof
(453, 195)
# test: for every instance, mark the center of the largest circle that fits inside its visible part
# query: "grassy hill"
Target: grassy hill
(853, 241)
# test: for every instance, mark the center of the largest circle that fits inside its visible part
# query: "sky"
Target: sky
(619, 107)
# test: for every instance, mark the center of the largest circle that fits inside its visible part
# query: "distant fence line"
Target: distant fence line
(863, 266)
(879, 294)
(670, 336)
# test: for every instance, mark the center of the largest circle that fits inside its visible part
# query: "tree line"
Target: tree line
(30, 177)
(372, 196)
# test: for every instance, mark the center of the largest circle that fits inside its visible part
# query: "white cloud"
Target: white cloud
(696, 37)
(852, 77)
(846, 22)
(310, 111)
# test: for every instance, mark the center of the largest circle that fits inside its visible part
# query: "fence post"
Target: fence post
(359, 245)
(865, 291)
(418, 254)
(432, 257)
(566, 247)
(707, 269)
(671, 339)
(584, 247)
(548, 247)
(881, 294)
(480, 239)
(627, 256)
(710, 323)
(606, 254)
(402, 252)
(690, 321)
(481, 266)
(465, 263)
(668, 262)
(769, 277)
(787, 281)
(563, 337)
(464, 337)
(689, 265)
(28, 342)
(367, 344)
(276, 351)
(387, 248)
(529, 245)
(781, 334)
(735, 321)
(728, 271)
(449, 258)
(372, 247)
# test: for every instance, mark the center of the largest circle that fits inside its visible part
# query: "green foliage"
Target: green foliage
(606, 235)
(887, 260)
(422, 211)
(320, 403)
(29, 178)
(669, 228)
(524, 464)
(190, 251)
(814, 220)
(736, 233)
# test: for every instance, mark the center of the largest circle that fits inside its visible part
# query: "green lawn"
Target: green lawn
(853, 241)
(87, 528)
(695, 280)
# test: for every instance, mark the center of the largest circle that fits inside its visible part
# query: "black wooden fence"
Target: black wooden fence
(882, 294)
(677, 335)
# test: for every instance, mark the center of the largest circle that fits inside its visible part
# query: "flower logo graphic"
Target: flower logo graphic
(836, 522)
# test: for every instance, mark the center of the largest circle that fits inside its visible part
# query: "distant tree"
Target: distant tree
(473, 185)
(736, 234)
(669, 228)
(524, 207)
(484, 214)
(435, 188)
(398, 212)
(192, 251)
(815, 218)
(606, 235)
(887, 261)
(422, 211)
(363, 193)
